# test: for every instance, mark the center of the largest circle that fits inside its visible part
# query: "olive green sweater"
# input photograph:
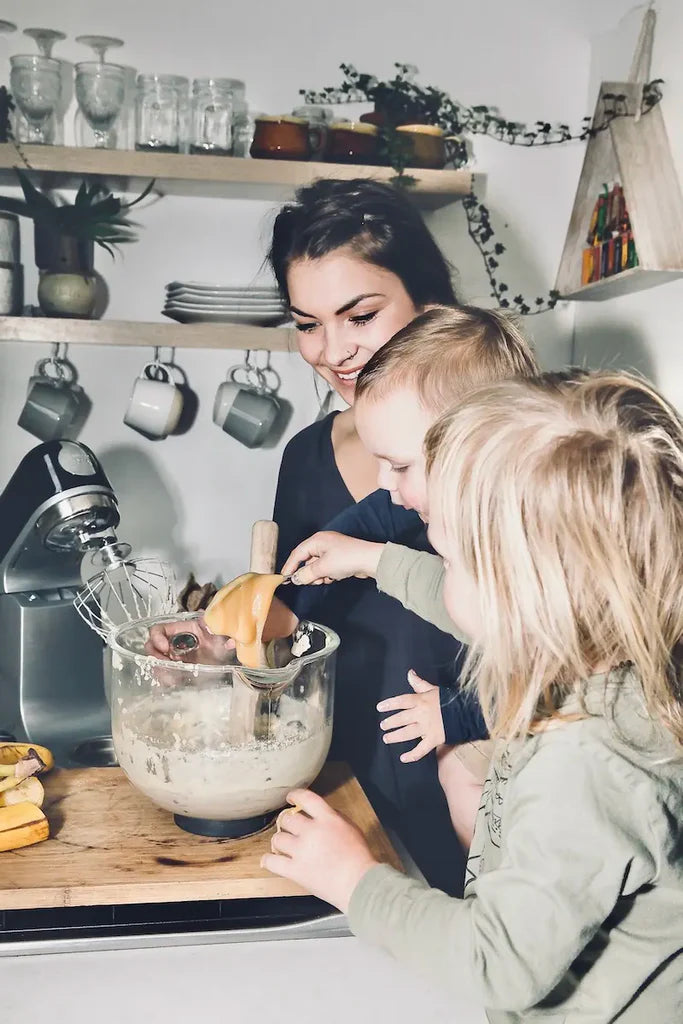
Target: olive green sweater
(573, 908)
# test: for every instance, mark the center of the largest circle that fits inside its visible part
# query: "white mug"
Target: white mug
(155, 403)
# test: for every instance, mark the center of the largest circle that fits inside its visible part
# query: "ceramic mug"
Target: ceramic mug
(246, 412)
(156, 402)
(53, 402)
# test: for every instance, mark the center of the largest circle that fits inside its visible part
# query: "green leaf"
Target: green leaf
(37, 201)
(143, 195)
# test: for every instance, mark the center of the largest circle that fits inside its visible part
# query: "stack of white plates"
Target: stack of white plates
(190, 302)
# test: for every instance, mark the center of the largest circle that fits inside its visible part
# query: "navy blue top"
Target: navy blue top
(380, 642)
(377, 519)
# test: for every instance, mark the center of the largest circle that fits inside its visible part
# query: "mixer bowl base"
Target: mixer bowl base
(240, 828)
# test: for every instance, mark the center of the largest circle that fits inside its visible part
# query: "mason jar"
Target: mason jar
(160, 105)
(212, 111)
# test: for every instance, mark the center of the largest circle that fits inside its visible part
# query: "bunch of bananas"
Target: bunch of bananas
(22, 821)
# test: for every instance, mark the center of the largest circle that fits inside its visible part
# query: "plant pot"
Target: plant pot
(62, 254)
(68, 295)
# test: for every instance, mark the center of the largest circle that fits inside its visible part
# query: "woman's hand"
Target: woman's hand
(319, 850)
(332, 556)
(211, 649)
(418, 716)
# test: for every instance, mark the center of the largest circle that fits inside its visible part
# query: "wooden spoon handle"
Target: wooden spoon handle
(264, 535)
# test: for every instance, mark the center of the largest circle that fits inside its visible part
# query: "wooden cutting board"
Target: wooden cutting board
(110, 845)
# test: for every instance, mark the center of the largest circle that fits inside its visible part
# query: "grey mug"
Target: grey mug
(246, 413)
(53, 402)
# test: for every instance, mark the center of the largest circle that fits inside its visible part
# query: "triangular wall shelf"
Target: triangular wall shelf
(637, 154)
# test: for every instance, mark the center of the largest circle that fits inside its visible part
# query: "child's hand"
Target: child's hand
(332, 556)
(418, 717)
(319, 850)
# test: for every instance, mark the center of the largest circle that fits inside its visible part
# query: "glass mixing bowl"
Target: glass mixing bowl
(217, 744)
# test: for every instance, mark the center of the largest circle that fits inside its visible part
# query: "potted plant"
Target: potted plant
(65, 235)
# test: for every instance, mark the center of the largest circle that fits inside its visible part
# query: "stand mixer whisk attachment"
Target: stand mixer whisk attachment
(124, 589)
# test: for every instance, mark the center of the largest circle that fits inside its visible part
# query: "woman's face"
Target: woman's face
(345, 310)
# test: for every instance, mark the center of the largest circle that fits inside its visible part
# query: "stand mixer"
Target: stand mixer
(59, 507)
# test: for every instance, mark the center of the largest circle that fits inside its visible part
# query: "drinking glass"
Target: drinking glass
(36, 85)
(100, 90)
(45, 38)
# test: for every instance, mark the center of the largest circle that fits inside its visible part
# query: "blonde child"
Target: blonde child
(557, 506)
(432, 363)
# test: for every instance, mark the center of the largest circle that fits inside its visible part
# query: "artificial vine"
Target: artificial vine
(402, 100)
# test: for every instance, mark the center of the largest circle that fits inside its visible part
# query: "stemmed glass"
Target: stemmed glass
(100, 44)
(36, 85)
(100, 89)
(45, 38)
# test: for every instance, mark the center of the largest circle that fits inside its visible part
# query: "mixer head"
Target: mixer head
(124, 589)
(58, 504)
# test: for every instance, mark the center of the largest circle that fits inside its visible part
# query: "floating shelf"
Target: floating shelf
(63, 331)
(637, 154)
(635, 279)
(210, 176)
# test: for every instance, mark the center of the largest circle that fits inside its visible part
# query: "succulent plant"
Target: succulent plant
(94, 216)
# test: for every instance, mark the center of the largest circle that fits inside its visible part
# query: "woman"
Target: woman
(355, 263)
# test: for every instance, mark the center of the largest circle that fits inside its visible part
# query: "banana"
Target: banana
(9, 783)
(22, 825)
(10, 753)
(30, 789)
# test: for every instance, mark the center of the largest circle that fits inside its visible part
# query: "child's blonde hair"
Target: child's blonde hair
(564, 498)
(446, 352)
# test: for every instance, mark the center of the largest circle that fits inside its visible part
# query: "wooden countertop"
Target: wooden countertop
(110, 845)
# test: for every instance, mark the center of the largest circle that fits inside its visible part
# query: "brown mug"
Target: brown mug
(353, 142)
(280, 138)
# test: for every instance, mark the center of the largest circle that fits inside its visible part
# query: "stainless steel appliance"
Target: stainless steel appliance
(58, 505)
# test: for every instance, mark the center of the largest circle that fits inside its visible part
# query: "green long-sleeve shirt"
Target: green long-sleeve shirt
(573, 908)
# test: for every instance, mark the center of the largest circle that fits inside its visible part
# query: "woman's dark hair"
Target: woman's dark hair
(376, 221)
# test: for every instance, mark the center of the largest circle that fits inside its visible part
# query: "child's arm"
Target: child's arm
(578, 836)
(415, 578)
(376, 518)
(326, 557)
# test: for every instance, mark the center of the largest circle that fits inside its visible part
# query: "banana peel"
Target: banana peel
(22, 824)
(11, 752)
(30, 789)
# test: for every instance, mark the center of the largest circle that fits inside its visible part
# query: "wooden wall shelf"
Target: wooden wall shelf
(210, 176)
(63, 331)
(635, 153)
(635, 279)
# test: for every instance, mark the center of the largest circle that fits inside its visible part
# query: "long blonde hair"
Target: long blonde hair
(563, 497)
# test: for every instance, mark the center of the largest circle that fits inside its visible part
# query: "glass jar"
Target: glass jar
(280, 138)
(212, 110)
(428, 145)
(217, 744)
(160, 111)
(353, 142)
(319, 119)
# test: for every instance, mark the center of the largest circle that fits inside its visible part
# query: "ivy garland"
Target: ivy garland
(402, 100)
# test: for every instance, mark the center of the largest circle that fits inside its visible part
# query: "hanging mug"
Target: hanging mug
(247, 409)
(54, 400)
(156, 402)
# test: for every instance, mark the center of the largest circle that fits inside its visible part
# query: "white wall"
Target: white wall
(643, 330)
(194, 497)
